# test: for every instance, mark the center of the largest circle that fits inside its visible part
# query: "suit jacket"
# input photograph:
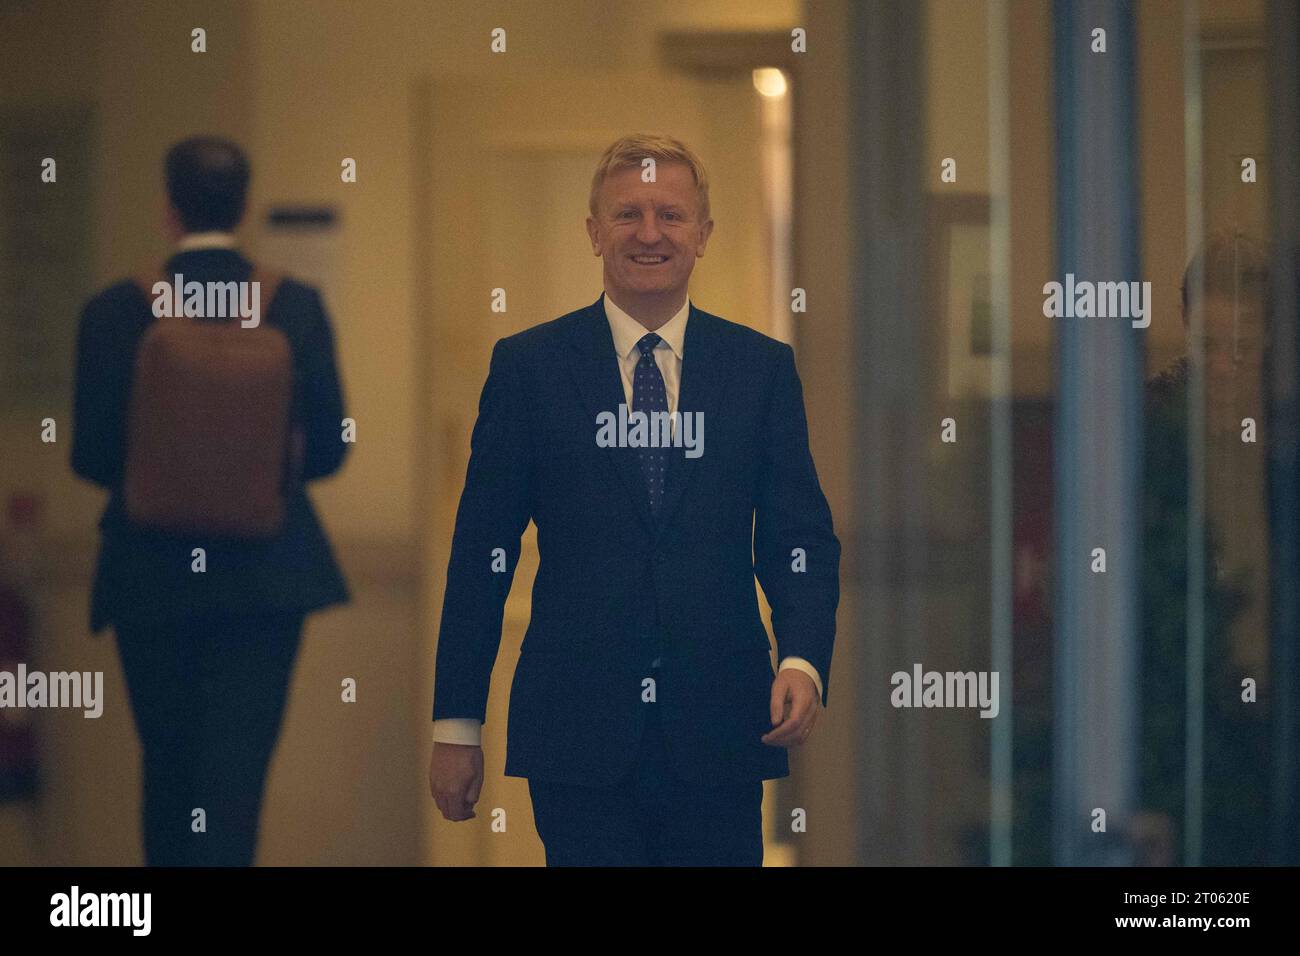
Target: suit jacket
(617, 587)
(148, 573)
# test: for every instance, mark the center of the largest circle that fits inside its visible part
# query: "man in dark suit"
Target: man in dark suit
(207, 656)
(644, 711)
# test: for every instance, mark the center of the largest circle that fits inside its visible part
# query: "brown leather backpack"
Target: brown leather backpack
(210, 446)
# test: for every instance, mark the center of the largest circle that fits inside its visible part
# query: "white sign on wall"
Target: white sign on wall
(303, 242)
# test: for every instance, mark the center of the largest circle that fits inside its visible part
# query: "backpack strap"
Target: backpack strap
(269, 285)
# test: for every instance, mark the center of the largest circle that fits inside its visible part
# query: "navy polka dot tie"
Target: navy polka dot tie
(649, 396)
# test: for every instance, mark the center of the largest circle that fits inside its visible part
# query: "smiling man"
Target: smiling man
(645, 711)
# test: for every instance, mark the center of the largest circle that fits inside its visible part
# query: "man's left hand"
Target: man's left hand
(794, 706)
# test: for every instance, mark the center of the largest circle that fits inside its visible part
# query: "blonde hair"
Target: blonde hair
(1229, 262)
(627, 152)
(1231, 265)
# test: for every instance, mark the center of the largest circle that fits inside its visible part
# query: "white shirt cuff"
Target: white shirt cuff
(458, 730)
(799, 664)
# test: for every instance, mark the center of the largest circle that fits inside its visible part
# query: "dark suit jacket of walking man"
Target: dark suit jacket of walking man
(142, 572)
(645, 712)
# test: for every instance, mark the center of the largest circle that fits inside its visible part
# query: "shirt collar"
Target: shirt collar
(206, 240)
(628, 331)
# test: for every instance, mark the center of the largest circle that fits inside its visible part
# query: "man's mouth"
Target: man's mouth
(649, 260)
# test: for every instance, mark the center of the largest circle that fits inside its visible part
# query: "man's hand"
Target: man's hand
(455, 779)
(794, 707)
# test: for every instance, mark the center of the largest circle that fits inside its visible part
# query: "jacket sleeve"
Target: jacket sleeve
(323, 411)
(494, 510)
(792, 513)
(101, 393)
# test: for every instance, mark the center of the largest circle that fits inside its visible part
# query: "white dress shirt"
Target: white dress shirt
(668, 353)
(627, 333)
(206, 240)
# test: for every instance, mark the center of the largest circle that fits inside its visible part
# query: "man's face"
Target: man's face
(1227, 361)
(649, 234)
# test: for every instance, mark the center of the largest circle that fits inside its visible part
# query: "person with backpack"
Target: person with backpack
(205, 430)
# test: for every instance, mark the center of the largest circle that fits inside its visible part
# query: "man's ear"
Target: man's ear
(706, 230)
(593, 229)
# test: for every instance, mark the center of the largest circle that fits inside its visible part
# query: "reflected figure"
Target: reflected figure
(1234, 310)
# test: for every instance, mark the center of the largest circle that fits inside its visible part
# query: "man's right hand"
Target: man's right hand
(455, 779)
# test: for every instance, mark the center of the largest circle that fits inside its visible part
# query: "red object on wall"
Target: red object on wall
(17, 731)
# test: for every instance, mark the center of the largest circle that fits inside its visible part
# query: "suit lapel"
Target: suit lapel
(704, 378)
(595, 370)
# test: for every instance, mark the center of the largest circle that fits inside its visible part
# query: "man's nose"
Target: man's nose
(648, 232)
